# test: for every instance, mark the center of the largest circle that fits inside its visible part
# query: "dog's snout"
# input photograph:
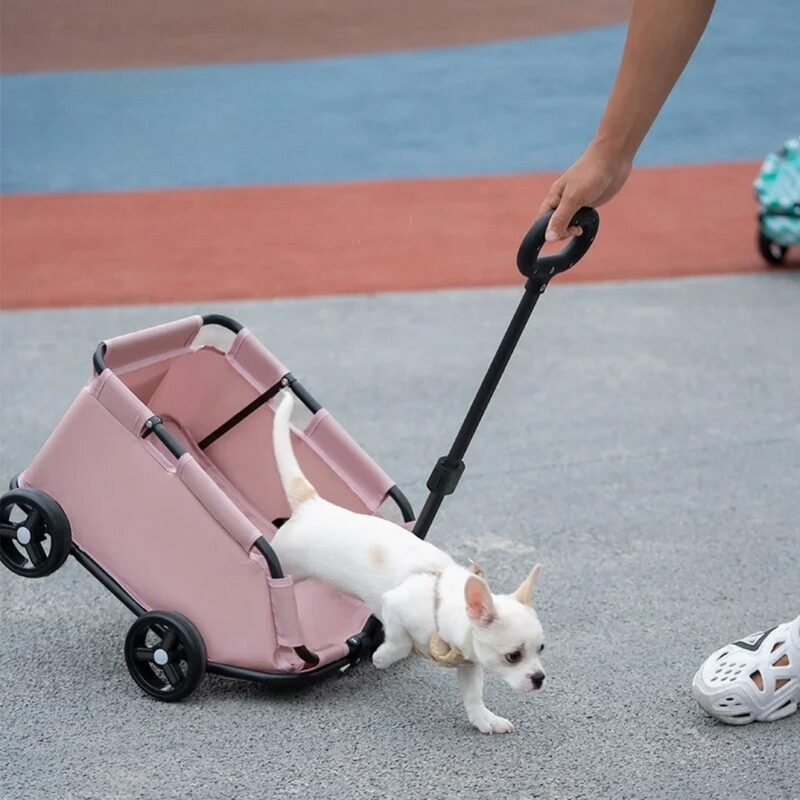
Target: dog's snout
(537, 679)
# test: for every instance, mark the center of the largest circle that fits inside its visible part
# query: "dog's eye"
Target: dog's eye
(541, 647)
(512, 658)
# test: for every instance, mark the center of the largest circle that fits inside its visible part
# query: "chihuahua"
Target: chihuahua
(418, 592)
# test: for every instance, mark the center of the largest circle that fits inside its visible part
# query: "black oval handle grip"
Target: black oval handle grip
(528, 261)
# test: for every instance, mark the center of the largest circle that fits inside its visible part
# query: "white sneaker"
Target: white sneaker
(727, 685)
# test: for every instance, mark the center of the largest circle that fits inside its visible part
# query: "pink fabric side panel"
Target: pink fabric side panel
(151, 343)
(140, 522)
(332, 653)
(328, 617)
(263, 524)
(327, 614)
(216, 502)
(284, 609)
(364, 476)
(201, 391)
(246, 459)
(145, 380)
(132, 414)
(249, 356)
(293, 663)
(124, 406)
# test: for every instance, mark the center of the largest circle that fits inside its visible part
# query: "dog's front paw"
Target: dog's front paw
(487, 722)
(385, 656)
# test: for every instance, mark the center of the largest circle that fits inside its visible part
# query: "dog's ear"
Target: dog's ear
(524, 593)
(480, 606)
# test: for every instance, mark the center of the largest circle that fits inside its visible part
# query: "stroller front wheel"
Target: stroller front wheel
(35, 536)
(166, 655)
(772, 252)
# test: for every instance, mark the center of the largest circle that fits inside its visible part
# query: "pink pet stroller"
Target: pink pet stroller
(161, 481)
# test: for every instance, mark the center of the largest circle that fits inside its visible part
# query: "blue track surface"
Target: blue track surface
(527, 105)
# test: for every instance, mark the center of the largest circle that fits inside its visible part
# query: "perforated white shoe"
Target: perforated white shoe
(756, 679)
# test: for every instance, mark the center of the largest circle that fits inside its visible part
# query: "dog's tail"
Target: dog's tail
(297, 487)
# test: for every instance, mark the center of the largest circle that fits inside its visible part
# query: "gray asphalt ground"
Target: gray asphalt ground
(645, 446)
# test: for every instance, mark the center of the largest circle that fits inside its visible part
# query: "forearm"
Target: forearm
(662, 35)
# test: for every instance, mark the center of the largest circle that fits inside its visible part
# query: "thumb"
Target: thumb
(562, 217)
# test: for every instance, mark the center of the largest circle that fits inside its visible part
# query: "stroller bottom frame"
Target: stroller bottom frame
(160, 480)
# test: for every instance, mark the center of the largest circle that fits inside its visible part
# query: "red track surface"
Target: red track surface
(185, 246)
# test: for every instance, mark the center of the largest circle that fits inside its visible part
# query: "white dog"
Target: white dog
(417, 591)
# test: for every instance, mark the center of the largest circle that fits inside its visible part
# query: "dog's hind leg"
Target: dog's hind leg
(397, 642)
(470, 682)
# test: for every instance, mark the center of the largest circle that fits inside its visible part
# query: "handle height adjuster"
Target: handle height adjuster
(445, 477)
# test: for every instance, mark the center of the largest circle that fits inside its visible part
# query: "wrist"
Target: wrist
(617, 148)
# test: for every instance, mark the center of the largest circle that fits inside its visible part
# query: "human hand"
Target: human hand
(591, 181)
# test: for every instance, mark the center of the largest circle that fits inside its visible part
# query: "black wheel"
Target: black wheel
(35, 537)
(772, 252)
(166, 655)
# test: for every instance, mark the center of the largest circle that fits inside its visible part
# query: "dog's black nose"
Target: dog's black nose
(537, 679)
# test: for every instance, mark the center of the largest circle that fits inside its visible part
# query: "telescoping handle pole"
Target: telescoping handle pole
(539, 271)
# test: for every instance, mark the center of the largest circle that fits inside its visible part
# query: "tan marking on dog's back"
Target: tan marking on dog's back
(377, 556)
(301, 490)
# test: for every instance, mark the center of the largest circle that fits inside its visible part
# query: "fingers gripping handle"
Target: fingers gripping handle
(528, 261)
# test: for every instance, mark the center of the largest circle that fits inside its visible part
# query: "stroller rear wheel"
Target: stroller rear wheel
(166, 655)
(772, 252)
(35, 536)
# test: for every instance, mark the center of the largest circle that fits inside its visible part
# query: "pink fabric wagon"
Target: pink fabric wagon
(164, 469)
(161, 481)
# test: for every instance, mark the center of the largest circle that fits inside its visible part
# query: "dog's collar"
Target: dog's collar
(439, 651)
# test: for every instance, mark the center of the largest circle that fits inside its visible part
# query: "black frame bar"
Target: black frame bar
(91, 566)
(225, 322)
(402, 502)
(99, 358)
(302, 394)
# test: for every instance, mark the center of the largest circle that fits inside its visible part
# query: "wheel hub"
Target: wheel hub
(23, 535)
(161, 657)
